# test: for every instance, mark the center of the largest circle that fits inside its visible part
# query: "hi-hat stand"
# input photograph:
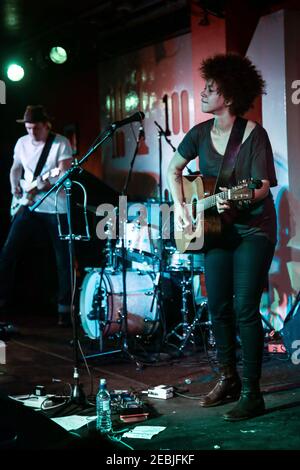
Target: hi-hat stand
(184, 325)
(184, 332)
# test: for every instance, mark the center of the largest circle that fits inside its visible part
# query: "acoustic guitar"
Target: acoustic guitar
(199, 197)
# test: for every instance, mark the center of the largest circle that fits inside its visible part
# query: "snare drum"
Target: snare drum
(176, 261)
(101, 305)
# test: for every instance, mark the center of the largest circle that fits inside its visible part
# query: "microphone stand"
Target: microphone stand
(184, 283)
(165, 134)
(162, 133)
(124, 314)
(77, 394)
(124, 327)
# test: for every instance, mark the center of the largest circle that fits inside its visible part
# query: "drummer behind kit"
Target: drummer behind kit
(102, 290)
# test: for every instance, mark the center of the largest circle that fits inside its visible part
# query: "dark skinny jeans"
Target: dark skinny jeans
(235, 275)
(25, 227)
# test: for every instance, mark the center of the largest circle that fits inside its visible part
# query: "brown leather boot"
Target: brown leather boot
(250, 404)
(227, 389)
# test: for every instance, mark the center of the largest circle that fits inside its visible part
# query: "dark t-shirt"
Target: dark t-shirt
(254, 160)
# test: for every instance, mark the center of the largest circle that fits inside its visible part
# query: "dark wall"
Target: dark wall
(241, 21)
(71, 95)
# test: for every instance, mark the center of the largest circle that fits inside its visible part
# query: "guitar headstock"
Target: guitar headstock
(244, 190)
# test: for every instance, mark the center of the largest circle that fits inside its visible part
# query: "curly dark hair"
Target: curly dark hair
(237, 80)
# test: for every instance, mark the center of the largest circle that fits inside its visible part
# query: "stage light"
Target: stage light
(15, 72)
(58, 55)
(131, 101)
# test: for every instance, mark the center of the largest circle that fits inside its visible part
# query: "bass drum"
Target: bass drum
(101, 305)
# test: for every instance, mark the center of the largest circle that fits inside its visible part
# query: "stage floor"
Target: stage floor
(42, 351)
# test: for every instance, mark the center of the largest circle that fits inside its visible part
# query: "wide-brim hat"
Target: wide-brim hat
(35, 113)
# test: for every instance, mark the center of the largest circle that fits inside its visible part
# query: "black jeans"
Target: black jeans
(235, 275)
(25, 226)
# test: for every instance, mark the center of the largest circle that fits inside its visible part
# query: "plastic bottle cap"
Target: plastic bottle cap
(102, 381)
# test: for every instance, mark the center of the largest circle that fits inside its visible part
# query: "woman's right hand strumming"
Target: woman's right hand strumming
(182, 219)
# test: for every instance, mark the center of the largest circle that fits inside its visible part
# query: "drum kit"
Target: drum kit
(126, 298)
(147, 266)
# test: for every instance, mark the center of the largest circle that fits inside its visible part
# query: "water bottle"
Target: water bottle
(103, 409)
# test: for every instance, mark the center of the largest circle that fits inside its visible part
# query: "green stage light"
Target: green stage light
(15, 72)
(58, 55)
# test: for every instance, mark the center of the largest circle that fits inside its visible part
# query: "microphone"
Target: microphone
(139, 116)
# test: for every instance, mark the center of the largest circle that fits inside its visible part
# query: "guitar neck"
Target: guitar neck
(195, 191)
(33, 185)
(211, 201)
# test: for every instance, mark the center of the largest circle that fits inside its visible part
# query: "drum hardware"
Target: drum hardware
(184, 332)
(97, 309)
(156, 287)
(197, 322)
(98, 315)
(184, 324)
(109, 251)
(102, 315)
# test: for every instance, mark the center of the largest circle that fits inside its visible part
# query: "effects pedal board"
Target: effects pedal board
(128, 406)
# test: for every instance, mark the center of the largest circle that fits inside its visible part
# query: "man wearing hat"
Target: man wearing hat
(36, 155)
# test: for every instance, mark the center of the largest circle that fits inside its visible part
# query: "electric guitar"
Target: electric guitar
(28, 192)
(198, 196)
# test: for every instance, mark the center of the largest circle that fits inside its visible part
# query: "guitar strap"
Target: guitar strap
(231, 153)
(44, 155)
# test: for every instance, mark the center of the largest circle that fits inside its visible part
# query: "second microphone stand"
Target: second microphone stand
(123, 221)
(157, 290)
(122, 225)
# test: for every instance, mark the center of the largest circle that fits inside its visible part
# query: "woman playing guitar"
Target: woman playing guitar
(236, 264)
